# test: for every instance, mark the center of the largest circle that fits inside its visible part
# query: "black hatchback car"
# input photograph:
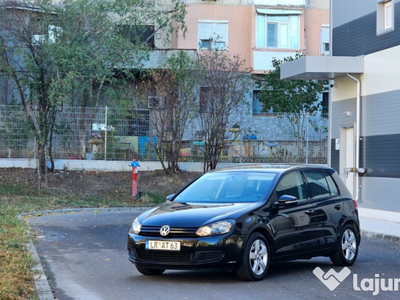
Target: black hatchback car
(247, 216)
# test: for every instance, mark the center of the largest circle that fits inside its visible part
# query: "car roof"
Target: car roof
(276, 168)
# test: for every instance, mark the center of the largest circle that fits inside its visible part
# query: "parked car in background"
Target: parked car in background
(245, 217)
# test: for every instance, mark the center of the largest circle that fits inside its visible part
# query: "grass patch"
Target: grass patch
(16, 276)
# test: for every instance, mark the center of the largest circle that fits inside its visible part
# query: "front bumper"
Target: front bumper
(205, 252)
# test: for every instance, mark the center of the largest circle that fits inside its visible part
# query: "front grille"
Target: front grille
(174, 232)
(164, 256)
(175, 257)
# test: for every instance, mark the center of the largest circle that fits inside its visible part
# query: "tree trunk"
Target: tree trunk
(41, 158)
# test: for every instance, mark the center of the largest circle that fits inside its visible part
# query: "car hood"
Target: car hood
(193, 214)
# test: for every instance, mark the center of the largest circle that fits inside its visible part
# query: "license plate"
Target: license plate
(163, 245)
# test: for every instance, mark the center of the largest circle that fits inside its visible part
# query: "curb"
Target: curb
(371, 234)
(41, 283)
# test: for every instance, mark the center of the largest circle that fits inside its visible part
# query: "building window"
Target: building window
(385, 17)
(388, 14)
(41, 32)
(277, 31)
(258, 106)
(324, 38)
(213, 34)
(325, 104)
(139, 34)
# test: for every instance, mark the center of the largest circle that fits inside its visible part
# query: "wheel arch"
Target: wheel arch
(356, 226)
(265, 233)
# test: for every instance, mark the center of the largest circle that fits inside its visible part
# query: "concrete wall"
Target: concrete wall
(100, 165)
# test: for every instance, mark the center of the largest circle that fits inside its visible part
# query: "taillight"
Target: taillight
(355, 204)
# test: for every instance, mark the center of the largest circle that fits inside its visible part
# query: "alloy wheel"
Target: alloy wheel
(258, 257)
(349, 244)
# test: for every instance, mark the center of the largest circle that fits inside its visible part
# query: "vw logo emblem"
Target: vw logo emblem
(164, 230)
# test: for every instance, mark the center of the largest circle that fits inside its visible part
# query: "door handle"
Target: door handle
(338, 207)
(310, 212)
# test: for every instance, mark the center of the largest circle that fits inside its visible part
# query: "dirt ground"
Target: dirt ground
(100, 184)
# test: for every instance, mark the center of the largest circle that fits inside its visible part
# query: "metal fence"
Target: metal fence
(113, 134)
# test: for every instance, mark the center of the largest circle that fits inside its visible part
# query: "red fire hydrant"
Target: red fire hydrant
(134, 164)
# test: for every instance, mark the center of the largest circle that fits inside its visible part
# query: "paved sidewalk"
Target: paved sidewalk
(380, 223)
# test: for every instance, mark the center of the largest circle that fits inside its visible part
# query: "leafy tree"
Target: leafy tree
(171, 89)
(224, 85)
(76, 52)
(291, 99)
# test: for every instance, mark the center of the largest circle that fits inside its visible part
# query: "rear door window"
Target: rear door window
(320, 184)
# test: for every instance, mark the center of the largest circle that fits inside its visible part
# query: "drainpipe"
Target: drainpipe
(331, 82)
(356, 169)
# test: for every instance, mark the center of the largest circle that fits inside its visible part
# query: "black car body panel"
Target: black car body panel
(301, 212)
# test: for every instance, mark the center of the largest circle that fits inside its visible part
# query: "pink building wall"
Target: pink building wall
(240, 29)
(314, 19)
(242, 26)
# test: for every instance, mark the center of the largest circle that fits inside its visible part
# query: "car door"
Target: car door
(327, 206)
(294, 231)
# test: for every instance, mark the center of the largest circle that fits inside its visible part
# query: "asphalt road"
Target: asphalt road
(84, 256)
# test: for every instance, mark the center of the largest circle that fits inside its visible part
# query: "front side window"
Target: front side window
(278, 31)
(292, 184)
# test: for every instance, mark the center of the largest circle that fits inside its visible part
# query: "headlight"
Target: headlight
(135, 228)
(220, 227)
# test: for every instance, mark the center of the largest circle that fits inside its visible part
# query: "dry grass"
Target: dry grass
(16, 276)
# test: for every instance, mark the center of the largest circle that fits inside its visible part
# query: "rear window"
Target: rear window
(228, 187)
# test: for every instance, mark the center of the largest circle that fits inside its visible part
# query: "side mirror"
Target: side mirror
(170, 197)
(286, 200)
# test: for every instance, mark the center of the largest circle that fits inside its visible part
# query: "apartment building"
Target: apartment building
(258, 31)
(363, 69)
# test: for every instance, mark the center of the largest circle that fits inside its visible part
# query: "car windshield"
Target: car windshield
(228, 187)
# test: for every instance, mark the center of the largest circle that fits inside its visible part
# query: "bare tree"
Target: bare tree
(171, 99)
(223, 89)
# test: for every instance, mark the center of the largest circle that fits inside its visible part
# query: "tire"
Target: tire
(256, 259)
(347, 248)
(149, 271)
